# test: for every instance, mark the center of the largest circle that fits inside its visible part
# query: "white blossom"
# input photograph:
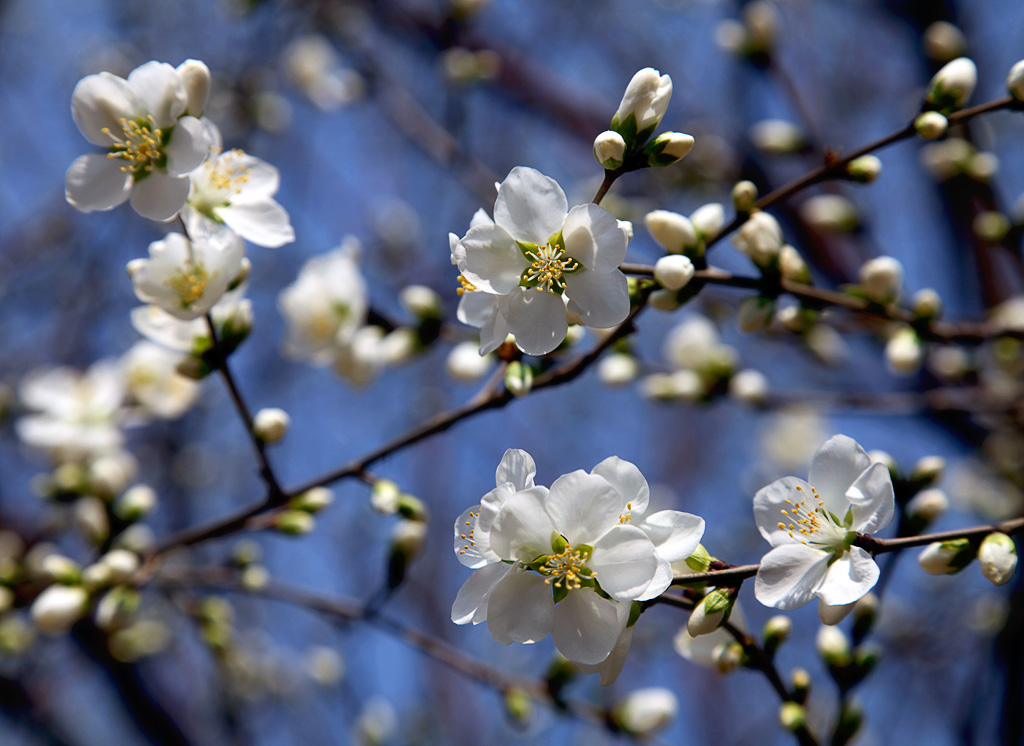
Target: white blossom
(646, 100)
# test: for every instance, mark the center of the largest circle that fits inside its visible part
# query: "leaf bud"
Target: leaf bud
(700, 560)
(518, 706)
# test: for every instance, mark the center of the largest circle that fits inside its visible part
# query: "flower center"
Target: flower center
(468, 537)
(812, 524)
(139, 145)
(567, 568)
(548, 265)
(627, 513)
(467, 286)
(224, 179)
(190, 283)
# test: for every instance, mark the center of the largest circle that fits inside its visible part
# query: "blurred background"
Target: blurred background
(390, 121)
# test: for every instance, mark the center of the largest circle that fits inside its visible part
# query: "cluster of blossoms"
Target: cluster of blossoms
(569, 560)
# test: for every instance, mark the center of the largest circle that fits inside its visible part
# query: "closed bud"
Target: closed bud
(700, 560)
(749, 386)
(777, 137)
(830, 213)
(465, 364)
(946, 557)
(412, 508)
(792, 716)
(116, 608)
(618, 369)
(246, 552)
(833, 615)
(384, 496)
(711, 612)
(645, 711)
(91, 518)
(756, 313)
(313, 500)
(420, 301)
(707, 220)
(519, 378)
(865, 612)
(254, 577)
(904, 352)
(108, 475)
(991, 226)
(865, 169)
(609, 149)
(518, 705)
(1015, 81)
(943, 41)
(931, 125)
(727, 657)
(760, 238)
(997, 557)
(674, 271)
(294, 522)
(744, 196)
(664, 300)
(926, 507)
(668, 148)
(800, 684)
(95, 576)
(776, 631)
(673, 231)
(850, 719)
(408, 538)
(833, 646)
(195, 76)
(792, 266)
(61, 569)
(643, 105)
(926, 304)
(122, 563)
(137, 502)
(982, 167)
(58, 607)
(270, 424)
(928, 471)
(951, 86)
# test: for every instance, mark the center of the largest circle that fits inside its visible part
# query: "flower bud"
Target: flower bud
(254, 577)
(271, 424)
(777, 137)
(664, 300)
(109, 475)
(800, 684)
(195, 76)
(832, 615)
(673, 231)
(519, 378)
(991, 226)
(673, 272)
(926, 507)
(749, 386)
(618, 369)
(928, 471)
(407, 540)
(833, 646)
(904, 352)
(412, 508)
(700, 560)
(91, 518)
(313, 500)
(645, 711)
(384, 496)
(645, 101)
(58, 607)
(324, 665)
(61, 569)
(518, 705)
(122, 563)
(1015, 81)
(744, 196)
(830, 213)
(711, 612)
(760, 21)
(998, 558)
(727, 657)
(931, 125)
(609, 149)
(116, 608)
(865, 612)
(982, 167)
(420, 301)
(668, 148)
(865, 169)
(96, 575)
(926, 304)
(943, 41)
(707, 220)
(756, 313)
(294, 522)
(776, 631)
(760, 238)
(138, 501)
(881, 278)
(951, 86)
(947, 557)
(792, 716)
(465, 364)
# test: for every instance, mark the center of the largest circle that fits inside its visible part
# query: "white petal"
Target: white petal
(593, 238)
(832, 615)
(835, 466)
(628, 481)
(872, 499)
(521, 529)
(476, 308)
(95, 182)
(159, 197)
(188, 147)
(517, 467)
(536, 318)
(261, 178)
(770, 501)
(582, 507)
(494, 332)
(490, 505)
(586, 627)
(99, 102)
(530, 205)
(675, 534)
(601, 300)
(520, 608)
(790, 575)
(159, 90)
(466, 552)
(263, 223)
(611, 667)
(849, 578)
(660, 582)
(490, 259)
(471, 602)
(624, 562)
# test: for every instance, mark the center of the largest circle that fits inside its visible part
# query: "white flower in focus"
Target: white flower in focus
(535, 252)
(997, 556)
(237, 189)
(76, 414)
(152, 380)
(325, 305)
(812, 526)
(187, 278)
(540, 554)
(151, 143)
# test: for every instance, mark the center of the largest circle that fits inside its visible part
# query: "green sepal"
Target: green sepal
(558, 592)
(627, 128)
(558, 543)
(537, 562)
(635, 610)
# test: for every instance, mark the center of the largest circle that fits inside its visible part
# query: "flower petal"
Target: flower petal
(522, 529)
(611, 667)
(159, 91)
(628, 482)
(872, 499)
(100, 102)
(660, 582)
(520, 608)
(593, 238)
(770, 501)
(490, 259)
(471, 602)
(475, 308)
(583, 507)
(624, 562)
(490, 505)
(517, 467)
(495, 331)
(530, 205)
(849, 578)
(836, 466)
(536, 318)
(263, 223)
(675, 534)
(586, 627)
(159, 197)
(790, 575)
(188, 147)
(601, 300)
(95, 182)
